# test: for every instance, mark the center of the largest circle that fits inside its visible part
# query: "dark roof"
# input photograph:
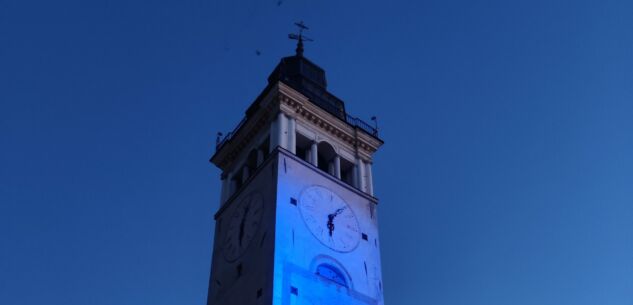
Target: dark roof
(306, 77)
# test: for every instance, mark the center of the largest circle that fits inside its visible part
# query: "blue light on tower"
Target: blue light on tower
(332, 273)
(298, 219)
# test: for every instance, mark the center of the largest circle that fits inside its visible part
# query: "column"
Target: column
(224, 193)
(260, 157)
(370, 179)
(292, 135)
(282, 130)
(313, 154)
(274, 134)
(337, 167)
(360, 174)
(245, 173)
(232, 186)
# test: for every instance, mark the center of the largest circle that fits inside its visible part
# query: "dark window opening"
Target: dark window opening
(251, 161)
(265, 147)
(303, 147)
(347, 171)
(326, 157)
(324, 164)
(237, 179)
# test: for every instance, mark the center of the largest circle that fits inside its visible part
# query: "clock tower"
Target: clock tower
(297, 223)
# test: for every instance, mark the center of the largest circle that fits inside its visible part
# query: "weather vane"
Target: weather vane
(300, 37)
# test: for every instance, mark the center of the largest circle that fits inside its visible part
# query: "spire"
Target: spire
(300, 38)
(300, 47)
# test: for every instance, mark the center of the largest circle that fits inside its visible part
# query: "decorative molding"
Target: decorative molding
(281, 97)
(243, 137)
(294, 102)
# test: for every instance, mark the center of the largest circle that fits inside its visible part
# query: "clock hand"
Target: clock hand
(330, 219)
(330, 223)
(242, 223)
(241, 236)
(339, 211)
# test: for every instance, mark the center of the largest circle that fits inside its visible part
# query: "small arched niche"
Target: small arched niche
(332, 273)
(328, 268)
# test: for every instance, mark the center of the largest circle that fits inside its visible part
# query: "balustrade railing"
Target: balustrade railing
(229, 135)
(356, 122)
(351, 120)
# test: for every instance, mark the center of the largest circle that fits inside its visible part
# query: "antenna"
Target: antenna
(375, 119)
(300, 37)
(218, 139)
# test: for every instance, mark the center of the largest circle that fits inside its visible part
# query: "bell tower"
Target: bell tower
(297, 222)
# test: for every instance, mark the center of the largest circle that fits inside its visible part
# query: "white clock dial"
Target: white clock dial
(243, 225)
(329, 218)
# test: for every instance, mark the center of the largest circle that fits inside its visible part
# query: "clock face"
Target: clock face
(243, 225)
(329, 218)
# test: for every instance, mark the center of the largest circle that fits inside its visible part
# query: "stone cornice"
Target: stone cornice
(295, 104)
(249, 130)
(281, 97)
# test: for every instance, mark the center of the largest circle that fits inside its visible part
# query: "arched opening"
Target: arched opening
(237, 181)
(326, 156)
(251, 161)
(265, 147)
(302, 148)
(332, 273)
(347, 171)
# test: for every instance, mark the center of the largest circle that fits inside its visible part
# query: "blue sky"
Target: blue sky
(506, 177)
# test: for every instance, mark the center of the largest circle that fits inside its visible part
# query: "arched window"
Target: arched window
(332, 273)
(302, 148)
(326, 156)
(347, 172)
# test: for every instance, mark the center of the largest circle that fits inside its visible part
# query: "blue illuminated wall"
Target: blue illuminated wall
(298, 254)
(285, 264)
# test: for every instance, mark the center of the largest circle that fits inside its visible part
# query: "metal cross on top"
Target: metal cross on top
(300, 37)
